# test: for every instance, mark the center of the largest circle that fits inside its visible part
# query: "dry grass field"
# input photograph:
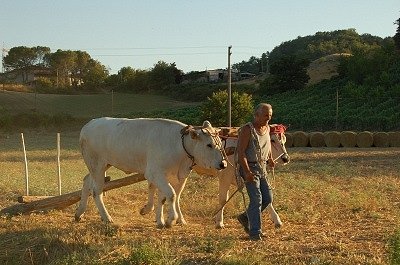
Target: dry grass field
(338, 206)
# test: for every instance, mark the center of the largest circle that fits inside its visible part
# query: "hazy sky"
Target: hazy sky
(193, 34)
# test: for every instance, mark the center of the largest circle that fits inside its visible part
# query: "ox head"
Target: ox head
(206, 148)
(278, 140)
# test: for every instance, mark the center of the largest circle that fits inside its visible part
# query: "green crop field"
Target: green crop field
(85, 106)
(338, 206)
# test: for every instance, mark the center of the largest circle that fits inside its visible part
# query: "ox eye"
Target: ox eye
(209, 145)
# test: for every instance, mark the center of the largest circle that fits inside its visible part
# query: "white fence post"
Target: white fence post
(58, 164)
(26, 167)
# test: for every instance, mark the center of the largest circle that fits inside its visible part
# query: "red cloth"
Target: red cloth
(277, 128)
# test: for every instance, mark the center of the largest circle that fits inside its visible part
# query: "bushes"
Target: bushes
(34, 120)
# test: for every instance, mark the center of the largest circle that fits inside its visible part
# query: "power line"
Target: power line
(159, 54)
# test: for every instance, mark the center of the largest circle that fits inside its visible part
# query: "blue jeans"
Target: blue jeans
(260, 195)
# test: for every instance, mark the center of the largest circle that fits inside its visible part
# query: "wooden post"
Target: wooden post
(65, 200)
(26, 167)
(58, 164)
(229, 88)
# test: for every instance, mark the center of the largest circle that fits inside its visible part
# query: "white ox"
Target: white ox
(157, 148)
(227, 177)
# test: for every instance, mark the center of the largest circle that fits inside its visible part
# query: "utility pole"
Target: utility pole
(229, 87)
(3, 51)
(337, 108)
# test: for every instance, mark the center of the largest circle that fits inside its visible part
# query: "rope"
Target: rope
(187, 153)
(230, 197)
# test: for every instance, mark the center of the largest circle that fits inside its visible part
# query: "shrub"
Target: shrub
(394, 248)
(215, 109)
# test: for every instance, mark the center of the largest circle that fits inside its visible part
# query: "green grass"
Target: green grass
(338, 206)
(394, 248)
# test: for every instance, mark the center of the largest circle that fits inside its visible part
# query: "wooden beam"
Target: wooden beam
(65, 200)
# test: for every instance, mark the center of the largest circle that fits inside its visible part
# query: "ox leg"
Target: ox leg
(86, 190)
(167, 193)
(178, 190)
(98, 186)
(274, 216)
(150, 200)
(160, 210)
(223, 198)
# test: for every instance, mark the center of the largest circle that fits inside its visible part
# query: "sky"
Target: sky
(194, 35)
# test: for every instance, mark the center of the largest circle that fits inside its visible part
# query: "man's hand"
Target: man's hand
(271, 163)
(249, 177)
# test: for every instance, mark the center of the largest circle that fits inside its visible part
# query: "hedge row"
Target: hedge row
(342, 139)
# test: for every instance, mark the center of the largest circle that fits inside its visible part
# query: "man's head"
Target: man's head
(263, 113)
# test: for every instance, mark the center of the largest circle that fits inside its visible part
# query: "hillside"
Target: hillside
(324, 68)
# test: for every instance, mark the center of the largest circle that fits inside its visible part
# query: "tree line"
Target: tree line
(79, 71)
(284, 68)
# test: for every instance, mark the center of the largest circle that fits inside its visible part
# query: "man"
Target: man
(254, 153)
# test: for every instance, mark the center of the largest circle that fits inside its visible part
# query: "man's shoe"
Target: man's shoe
(256, 238)
(243, 220)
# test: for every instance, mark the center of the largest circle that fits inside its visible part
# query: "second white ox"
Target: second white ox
(157, 148)
(227, 177)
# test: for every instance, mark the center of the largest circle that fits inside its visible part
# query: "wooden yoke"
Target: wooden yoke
(65, 200)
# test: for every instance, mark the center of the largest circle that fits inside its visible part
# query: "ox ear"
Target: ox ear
(207, 124)
(194, 134)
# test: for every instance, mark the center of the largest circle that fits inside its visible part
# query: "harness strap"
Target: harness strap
(214, 136)
(187, 153)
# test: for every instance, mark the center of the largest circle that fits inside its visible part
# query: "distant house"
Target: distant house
(245, 75)
(29, 75)
(221, 75)
(26, 75)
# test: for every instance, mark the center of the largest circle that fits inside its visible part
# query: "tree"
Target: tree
(63, 64)
(139, 82)
(80, 68)
(215, 109)
(253, 65)
(95, 76)
(397, 35)
(164, 74)
(287, 73)
(41, 53)
(20, 59)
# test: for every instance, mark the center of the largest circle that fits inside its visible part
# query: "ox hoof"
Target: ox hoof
(169, 224)
(220, 226)
(145, 210)
(78, 218)
(107, 221)
(160, 226)
(181, 221)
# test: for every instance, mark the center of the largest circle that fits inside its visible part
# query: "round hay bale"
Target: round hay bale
(289, 140)
(300, 139)
(365, 139)
(317, 139)
(348, 139)
(394, 139)
(332, 139)
(381, 139)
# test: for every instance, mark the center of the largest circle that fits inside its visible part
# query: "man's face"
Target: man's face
(264, 116)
